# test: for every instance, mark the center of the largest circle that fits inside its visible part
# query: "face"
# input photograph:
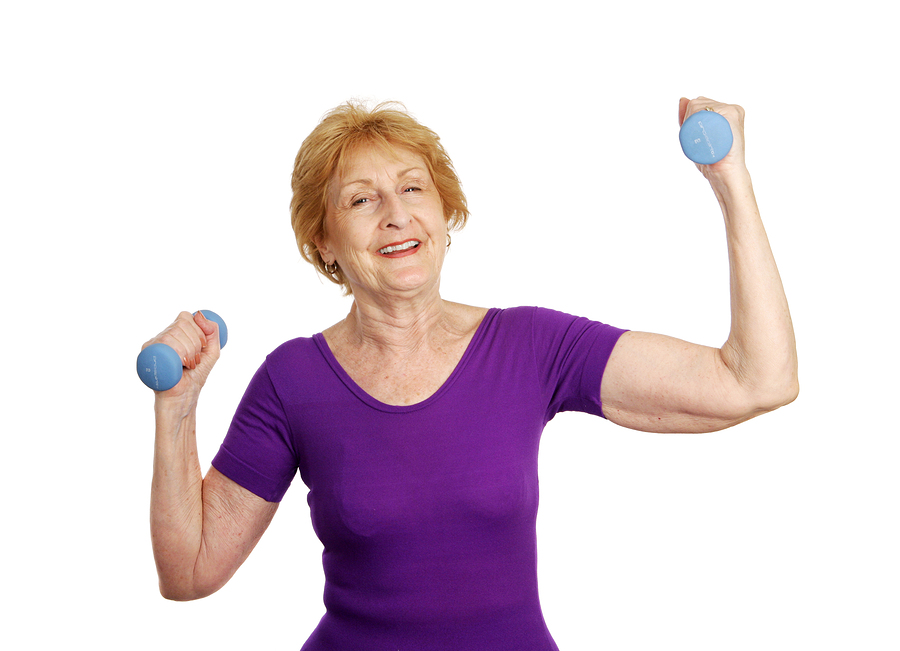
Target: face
(384, 224)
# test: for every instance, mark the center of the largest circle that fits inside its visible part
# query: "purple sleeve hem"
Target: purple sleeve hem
(606, 345)
(258, 484)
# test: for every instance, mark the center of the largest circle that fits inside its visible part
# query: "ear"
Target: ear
(323, 249)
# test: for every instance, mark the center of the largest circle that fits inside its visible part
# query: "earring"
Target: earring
(331, 270)
(449, 241)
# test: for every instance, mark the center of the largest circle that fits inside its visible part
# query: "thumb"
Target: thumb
(210, 330)
(682, 109)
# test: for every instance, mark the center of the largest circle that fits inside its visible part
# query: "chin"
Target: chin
(412, 279)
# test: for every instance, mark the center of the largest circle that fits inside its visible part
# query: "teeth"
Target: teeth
(399, 247)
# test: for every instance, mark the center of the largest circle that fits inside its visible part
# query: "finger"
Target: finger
(191, 337)
(212, 344)
(184, 337)
(732, 112)
(702, 104)
(682, 109)
(688, 107)
(209, 328)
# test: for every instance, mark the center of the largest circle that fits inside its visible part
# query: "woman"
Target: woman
(415, 422)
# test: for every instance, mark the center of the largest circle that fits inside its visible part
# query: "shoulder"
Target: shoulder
(552, 330)
(293, 354)
(526, 325)
(532, 316)
(293, 347)
(464, 319)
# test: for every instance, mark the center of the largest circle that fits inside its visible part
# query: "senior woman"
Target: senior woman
(415, 422)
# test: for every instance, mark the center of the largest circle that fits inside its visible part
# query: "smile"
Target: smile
(404, 246)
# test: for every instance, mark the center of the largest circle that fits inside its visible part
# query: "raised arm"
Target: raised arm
(202, 529)
(660, 384)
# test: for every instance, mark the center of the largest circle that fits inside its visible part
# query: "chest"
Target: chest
(387, 478)
(401, 379)
(463, 461)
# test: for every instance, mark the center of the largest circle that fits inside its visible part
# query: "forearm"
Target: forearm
(760, 351)
(176, 502)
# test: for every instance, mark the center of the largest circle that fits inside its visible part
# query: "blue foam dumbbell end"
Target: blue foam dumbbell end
(706, 137)
(159, 366)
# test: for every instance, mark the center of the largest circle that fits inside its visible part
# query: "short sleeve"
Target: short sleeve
(571, 355)
(257, 452)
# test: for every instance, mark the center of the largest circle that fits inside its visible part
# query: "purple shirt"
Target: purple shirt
(426, 512)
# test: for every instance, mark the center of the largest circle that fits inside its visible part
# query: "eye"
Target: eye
(359, 200)
(412, 189)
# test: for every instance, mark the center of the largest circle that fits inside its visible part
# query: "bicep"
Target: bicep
(656, 383)
(234, 519)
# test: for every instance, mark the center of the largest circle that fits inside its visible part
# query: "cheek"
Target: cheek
(340, 237)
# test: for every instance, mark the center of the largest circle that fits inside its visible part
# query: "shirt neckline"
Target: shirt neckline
(367, 398)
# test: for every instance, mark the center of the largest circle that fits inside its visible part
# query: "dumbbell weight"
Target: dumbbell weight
(706, 137)
(160, 367)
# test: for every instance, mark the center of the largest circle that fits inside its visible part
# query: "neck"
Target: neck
(396, 325)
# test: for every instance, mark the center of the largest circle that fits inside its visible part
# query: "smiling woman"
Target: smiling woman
(385, 230)
(415, 422)
(349, 136)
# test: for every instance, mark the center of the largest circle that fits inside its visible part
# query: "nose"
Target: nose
(396, 214)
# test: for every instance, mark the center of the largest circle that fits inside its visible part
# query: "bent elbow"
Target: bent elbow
(750, 403)
(792, 392)
(181, 592)
(777, 395)
(175, 593)
(788, 390)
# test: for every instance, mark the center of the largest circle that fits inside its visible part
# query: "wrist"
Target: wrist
(731, 186)
(173, 411)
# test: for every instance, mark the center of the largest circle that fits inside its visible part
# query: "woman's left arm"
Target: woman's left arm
(660, 384)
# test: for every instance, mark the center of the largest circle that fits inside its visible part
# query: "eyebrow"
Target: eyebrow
(402, 173)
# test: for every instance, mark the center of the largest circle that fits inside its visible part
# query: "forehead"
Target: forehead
(366, 162)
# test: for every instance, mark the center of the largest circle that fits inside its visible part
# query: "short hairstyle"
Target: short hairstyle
(327, 150)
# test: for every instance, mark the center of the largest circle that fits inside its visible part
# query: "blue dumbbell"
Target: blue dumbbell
(706, 137)
(160, 367)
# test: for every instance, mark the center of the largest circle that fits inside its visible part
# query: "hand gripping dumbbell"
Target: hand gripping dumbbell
(160, 367)
(706, 137)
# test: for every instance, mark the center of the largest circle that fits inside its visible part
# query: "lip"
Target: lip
(400, 254)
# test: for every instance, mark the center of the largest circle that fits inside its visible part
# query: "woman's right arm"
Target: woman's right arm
(202, 529)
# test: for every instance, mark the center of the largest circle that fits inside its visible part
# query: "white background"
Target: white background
(146, 155)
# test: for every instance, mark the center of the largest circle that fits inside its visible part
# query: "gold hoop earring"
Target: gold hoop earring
(449, 241)
(332, 269)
